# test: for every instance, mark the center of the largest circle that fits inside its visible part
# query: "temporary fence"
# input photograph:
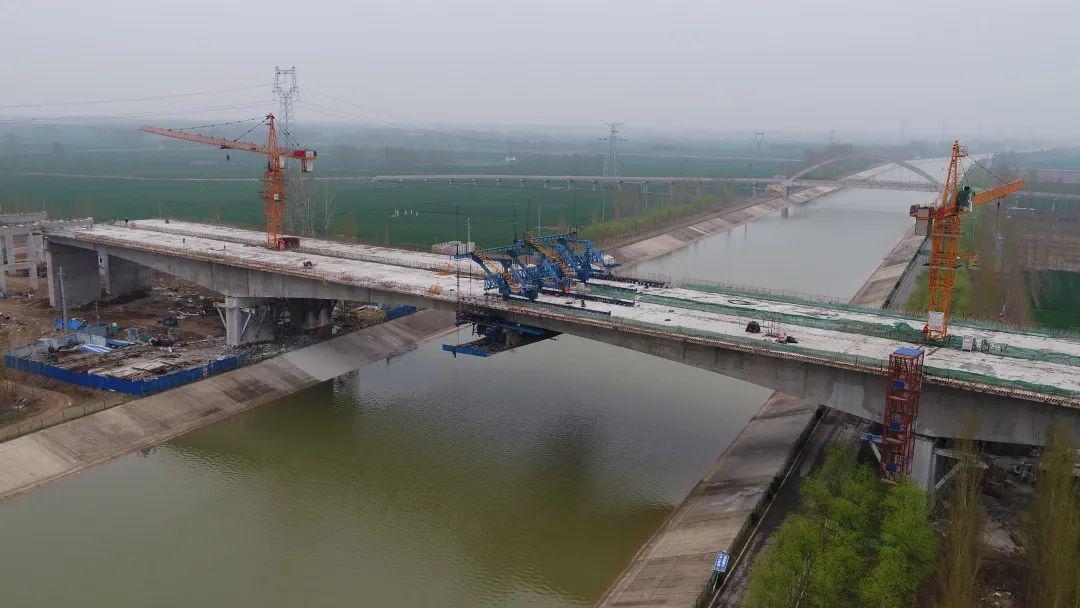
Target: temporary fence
(399, 311)
(37, 423)
(121, 385)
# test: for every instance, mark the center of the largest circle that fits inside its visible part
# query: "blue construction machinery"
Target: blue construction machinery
(510, 278)
(495, 334)
(528, 266)
(577, 257)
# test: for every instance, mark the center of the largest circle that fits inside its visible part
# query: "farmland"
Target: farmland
(189, 181)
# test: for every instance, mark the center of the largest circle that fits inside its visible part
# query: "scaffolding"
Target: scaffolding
(903, 387)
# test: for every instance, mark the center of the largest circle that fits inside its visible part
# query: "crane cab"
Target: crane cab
(923, 219)
(963, 199)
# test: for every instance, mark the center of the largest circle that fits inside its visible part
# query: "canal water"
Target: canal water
(529, 479)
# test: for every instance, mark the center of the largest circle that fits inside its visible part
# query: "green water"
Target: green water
(528, 479)
(430, 481)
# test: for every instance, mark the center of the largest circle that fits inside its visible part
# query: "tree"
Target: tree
(960, 553)
(1053, 527)
(906, 552)
(820, 553)
(780, 577)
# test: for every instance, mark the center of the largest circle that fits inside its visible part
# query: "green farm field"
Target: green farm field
(134, 183)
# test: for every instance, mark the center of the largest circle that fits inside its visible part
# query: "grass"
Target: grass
(403, 214)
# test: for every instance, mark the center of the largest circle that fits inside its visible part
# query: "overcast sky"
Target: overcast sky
(852, 65)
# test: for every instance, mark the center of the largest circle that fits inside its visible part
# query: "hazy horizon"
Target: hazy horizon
(690, 67)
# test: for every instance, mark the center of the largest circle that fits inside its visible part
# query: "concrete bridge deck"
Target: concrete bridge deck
(838, 359)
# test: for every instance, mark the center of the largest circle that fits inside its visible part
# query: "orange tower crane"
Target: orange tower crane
(941, 220)
(273, 177)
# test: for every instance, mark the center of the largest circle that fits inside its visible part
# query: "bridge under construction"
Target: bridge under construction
(1018, 380)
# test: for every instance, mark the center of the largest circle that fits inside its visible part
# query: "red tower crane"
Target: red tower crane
(273, 177)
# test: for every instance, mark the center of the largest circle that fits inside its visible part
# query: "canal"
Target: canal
(529, 479)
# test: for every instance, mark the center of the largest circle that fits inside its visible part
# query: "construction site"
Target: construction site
(114, 319)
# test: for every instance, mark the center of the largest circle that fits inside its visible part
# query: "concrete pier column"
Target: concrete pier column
(248, 320)
(9, 248)
(82, 281)
(123, 277)
(35, 245)
(7, 259)
(310, 313)
(924, 465)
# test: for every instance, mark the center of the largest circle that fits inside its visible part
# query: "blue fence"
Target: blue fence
(400, 311)
(130, 387)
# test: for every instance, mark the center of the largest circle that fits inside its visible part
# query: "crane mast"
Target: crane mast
(941, 220)
(273, 177)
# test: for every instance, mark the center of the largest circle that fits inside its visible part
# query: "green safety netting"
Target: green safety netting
(900, 331)
(863, 361)
(790, 298)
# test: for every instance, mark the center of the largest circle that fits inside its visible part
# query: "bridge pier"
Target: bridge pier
(309, 313)
(248, 320)
(123, 277)
(82, 278)
(924, 463)
(35, 248)
(254, 319)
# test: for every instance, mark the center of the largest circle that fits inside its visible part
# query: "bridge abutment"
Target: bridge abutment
(82, 278)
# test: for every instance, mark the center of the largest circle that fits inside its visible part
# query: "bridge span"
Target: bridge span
(1018, 386)
(595, 181)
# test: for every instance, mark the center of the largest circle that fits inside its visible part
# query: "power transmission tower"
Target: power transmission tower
(611, 161)
(903, 131)
(759, 139)
(286, 91)
(832, 137)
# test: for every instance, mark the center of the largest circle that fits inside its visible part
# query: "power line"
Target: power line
(348, 114)
(222, 124)
(128, 99)
(353, 103)
(260, 103)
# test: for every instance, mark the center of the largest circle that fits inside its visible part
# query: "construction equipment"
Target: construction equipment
(564, 272)
(503, 274)
(941, 220)
(273, 177)
(902, 390)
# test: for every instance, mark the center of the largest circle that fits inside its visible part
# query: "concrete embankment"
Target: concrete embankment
(719, 514)
(889, 285)
(68, 448)
(670, 239)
